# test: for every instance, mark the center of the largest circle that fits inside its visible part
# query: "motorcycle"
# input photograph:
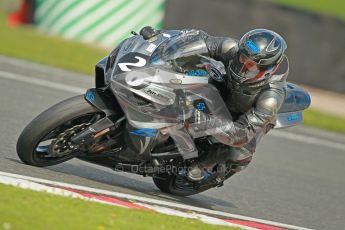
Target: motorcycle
(137, 119)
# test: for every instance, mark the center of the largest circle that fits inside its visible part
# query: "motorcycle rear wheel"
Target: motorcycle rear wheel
(170, 183)
(33, 143)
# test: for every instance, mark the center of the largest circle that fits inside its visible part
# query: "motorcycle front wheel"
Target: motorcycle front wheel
(45, 141)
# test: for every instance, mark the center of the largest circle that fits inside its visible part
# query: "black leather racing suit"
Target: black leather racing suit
(253, 107)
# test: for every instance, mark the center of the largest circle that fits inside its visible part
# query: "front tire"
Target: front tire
(57, 118)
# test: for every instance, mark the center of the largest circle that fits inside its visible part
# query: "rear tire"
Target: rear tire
(162, 182)
(169, 184)
(56, 116)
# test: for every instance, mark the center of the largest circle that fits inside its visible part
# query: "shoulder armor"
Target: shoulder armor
(270, 101)
(229, 44)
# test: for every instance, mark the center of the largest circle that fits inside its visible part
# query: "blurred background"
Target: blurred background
(313, 29)
(297, 174)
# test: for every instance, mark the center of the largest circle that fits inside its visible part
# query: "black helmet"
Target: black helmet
(259, 55)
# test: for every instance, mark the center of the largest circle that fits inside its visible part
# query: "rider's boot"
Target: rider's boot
(223, 160)
(196, 172)
(201, 170)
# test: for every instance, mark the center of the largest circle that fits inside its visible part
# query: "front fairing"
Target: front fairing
(162, 85)
(155, 97)
(153, 79)
(159, 103)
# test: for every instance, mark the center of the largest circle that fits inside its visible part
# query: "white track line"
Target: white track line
(41, 82)
(153, 201)
(26, 184)
(59, 86)
(307, 139)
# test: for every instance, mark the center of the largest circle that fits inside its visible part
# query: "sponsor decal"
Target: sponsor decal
(293, 118)
(90, 96)
(156, 94)
(197, 72)
(151, 48)
(146, 132)
(201, 106)
(252, 46)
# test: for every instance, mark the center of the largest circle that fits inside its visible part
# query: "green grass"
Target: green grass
(26, 43)
(330, 7)
(26, 210)
(324, 121)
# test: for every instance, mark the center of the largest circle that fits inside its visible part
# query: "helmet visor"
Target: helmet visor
(246, 70)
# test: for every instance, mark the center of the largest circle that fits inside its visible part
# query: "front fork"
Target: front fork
(104, 101)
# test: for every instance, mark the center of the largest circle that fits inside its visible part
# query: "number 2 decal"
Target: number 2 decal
(124, 66)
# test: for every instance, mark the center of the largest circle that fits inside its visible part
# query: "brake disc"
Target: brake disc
(62, 144)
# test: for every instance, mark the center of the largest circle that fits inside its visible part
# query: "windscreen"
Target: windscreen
(183, 47)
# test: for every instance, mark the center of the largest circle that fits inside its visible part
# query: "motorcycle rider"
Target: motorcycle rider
(254, 88)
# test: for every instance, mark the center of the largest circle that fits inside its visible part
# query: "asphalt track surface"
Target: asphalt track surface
(296, 177)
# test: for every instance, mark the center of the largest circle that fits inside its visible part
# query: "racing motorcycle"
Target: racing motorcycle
(148, 92)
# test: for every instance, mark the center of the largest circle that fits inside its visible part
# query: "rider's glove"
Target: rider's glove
(202, 124)
(200, 120)
(148, 32)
